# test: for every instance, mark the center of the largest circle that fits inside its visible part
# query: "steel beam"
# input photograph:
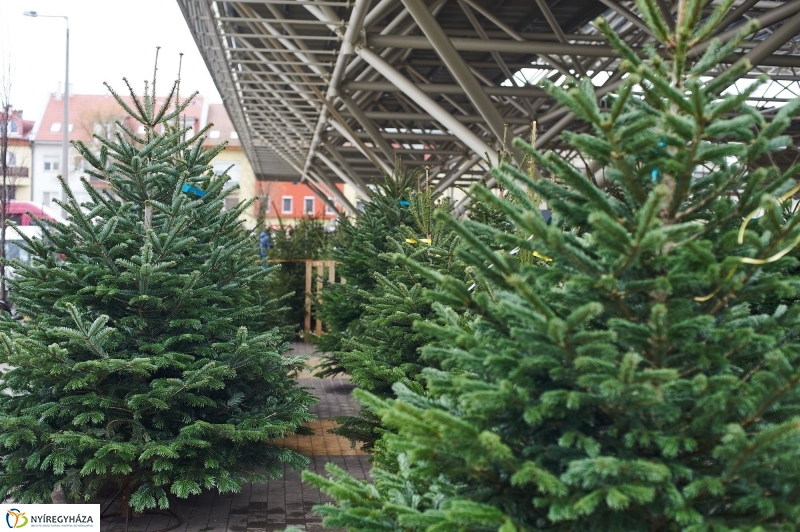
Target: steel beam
(779, 37)
(457, 66)
(369, 126)
(460, 170)
(337, 156)
(321, 195)
(339, 172)
(482, 34)
(354, 139)
(425, 117)
(444, 88)
(556, 27)
(334, 190)
(734, 15)
(768, 18)
(629, 15)
(423, 100)
(585, 50)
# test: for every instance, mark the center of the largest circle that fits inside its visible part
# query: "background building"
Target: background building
(277, 201)
(97, 115)
(89, 115)
(19, 157)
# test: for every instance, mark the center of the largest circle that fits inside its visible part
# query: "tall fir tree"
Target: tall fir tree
(644, 377)
(385, 349)
(149, 359)
(358, 248)
(307, 239)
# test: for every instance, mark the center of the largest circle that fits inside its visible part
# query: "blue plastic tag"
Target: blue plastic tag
(187, 189)
(404, 203)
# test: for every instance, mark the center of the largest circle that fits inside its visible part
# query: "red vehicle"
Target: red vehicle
(17, 212)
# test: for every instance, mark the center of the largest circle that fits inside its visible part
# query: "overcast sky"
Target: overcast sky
(109, 40)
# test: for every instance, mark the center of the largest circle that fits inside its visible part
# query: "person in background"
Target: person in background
(264, 243)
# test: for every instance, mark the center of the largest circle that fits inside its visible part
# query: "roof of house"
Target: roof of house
(222, 129)
(24, 127)
(85, 110)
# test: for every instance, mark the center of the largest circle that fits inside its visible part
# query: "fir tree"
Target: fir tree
(358, 248)
(306, 240)
(149, 360)
(386, 349)
(633, 381)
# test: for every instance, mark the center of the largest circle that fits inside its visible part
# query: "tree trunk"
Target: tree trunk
(4, 198)
(58, 496)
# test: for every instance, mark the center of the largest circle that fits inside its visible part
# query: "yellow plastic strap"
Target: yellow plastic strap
(540, 256)
(702, 299)
(777, 256)
(752, 214)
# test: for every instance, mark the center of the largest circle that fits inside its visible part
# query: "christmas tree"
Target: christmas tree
(384, 348)
(290, 246)
(358, 248)
(149, 360)
(642, 376)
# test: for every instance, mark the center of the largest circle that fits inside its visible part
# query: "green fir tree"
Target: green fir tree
(387, 349)
(358, 247)
(637, 380)
(150, 359)
(291, 245)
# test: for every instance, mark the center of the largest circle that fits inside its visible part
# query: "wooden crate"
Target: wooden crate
(324, 269)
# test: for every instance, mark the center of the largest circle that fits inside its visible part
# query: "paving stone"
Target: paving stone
(277, 503)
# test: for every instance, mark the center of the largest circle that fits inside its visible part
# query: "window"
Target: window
(55, 126)
(359, 206)
(234, 135)
(104, 130)
(140, 131)
(13, 128)
(308, 205)
(48, 197)
(231, 202)
(286, 205)
(70, 128)
(13, 251)
(213, 134)
(11, 159)
(51, 165)
(328, 209)
(234, 170)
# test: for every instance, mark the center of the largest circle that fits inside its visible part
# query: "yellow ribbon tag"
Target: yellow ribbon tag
(540, 256)
(412, 241)
(752, 215)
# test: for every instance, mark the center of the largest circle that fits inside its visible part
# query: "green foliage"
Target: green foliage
(149, 358)
(358, 248)
(306, 240)
(378, 346)
(635, 381)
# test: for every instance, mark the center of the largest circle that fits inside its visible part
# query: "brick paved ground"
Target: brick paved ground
(282, 502)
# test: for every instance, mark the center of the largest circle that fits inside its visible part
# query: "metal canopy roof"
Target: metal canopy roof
(330, 90)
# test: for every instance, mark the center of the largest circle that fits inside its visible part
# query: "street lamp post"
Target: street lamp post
(65, 125)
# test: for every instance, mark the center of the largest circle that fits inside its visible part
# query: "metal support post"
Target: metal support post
(334, 190)
(338, 171)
